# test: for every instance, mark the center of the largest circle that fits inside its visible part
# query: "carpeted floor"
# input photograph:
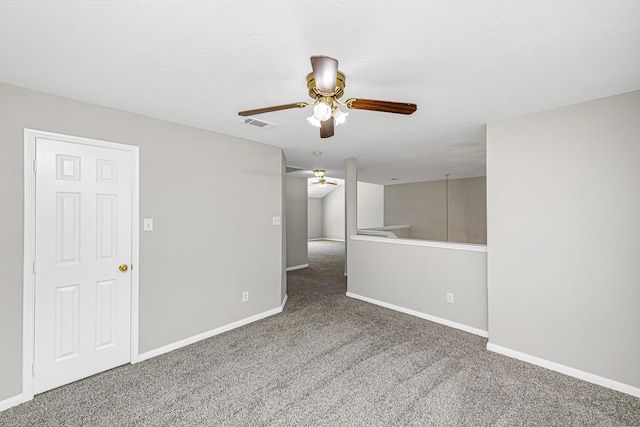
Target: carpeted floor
(329, 360)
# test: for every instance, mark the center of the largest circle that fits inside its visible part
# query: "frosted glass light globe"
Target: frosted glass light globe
(322, 111)
(339, 116)
(314, 122)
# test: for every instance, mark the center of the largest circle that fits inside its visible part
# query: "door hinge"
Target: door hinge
(35, 268)
(35, 166)
(33, 369)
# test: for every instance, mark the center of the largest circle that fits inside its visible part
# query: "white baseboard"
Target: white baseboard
(572, 372)
(421, 315)
(10, 402)
(284, 301)
(209, 334)
(297, 267)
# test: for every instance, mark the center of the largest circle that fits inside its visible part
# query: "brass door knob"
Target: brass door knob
(123, 267)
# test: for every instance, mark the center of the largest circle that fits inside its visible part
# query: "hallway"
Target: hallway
(323, 281)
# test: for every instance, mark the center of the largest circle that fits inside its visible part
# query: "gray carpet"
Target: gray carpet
(329, 360)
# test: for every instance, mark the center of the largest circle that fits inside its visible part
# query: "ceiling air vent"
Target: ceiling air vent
(259, 123)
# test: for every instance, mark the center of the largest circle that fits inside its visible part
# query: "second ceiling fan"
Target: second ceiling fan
(322, 182)
(326, 87)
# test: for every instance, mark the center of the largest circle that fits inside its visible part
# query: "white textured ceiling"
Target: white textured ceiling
(464, 62)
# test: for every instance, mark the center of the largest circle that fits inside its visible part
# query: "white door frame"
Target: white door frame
(28, 310)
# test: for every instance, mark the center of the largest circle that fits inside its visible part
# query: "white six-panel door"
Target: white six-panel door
(82, 321)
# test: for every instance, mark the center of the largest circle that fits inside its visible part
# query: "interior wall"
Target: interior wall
(563, 197)
(423, 206)
(333, 214)
(315, 207)
(285, 246)
(370, 205)
(418, 278)
(468, 210)
(327, 215)
(212, 198)
(296, 212)
(420, 205)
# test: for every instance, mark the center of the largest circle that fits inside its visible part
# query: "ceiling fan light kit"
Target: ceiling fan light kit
(326, 87)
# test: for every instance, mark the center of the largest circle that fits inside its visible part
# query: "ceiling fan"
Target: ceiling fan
(326, 87)
(322, 182)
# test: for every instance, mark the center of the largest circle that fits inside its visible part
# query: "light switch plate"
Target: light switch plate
(276, 220)
(147, 224)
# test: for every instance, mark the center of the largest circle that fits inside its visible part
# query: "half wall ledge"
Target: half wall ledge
(474, 247)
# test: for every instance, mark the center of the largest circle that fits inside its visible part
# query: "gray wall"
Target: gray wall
(283, 207)
(333, 214)
(315, 207)
(212, 198)
(563, 197)
(370, 211)
(422, 205)
(296, 221)
(370, 205)
(418, 278)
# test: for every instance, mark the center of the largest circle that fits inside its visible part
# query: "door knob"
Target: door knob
(123, 267)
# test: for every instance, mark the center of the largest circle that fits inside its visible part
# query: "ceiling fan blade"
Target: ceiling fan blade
(332, 183)
(325, 72)
(326, 128)
(269, 109)
(384, 106)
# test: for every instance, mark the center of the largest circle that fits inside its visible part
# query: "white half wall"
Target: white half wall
(416, 276)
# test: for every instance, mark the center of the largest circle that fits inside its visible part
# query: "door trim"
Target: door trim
(28, 312)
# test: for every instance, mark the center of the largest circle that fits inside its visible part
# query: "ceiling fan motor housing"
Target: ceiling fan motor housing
(314, 92)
